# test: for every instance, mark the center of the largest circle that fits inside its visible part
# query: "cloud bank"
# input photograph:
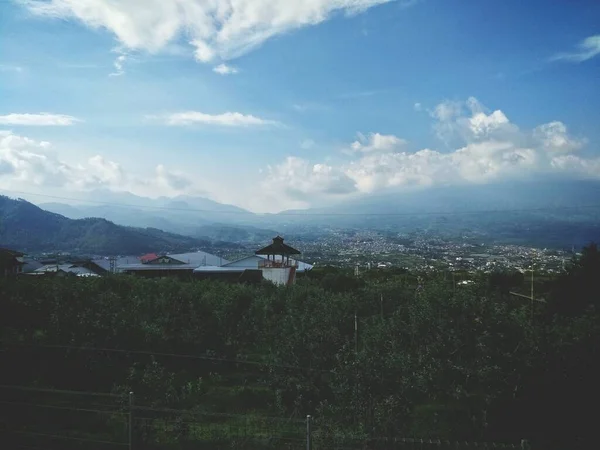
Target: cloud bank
(586, 49)
(228, 119)
(41, 119)
(224, 69)
(33, 165)
(489, 148)
(221, 29)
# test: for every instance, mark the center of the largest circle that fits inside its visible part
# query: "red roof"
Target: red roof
(148, 257)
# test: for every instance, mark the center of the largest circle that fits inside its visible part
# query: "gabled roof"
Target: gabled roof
(277, 248)
(199, 258)
(154, 267)
(66, 268)
(165, 259)
(148, 257)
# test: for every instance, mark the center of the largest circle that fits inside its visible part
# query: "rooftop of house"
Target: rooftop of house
(67, 268)
(199, 258)
(157, 267)
(148, 257)
(219, 269)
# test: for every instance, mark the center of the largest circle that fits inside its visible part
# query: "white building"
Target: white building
(274, 262)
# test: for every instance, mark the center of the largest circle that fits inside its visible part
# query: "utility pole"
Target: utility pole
(130, 421)
(453, 283)
(530, 297)
(381, 306)
(355, 333)
(308, 432)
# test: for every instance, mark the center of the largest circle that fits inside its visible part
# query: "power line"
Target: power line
(206, 414)
(324, 214)
(59, 391)
(175, 355)
(66, 408)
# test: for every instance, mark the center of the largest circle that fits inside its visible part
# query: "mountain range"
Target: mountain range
(191, 216)
(552, 212)
(549, 212)
(29, 228)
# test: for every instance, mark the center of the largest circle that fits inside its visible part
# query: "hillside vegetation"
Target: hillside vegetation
(213, 363)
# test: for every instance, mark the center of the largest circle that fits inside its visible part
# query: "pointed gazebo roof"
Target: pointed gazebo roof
(277, 248)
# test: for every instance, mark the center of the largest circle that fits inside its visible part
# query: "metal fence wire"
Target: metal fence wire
(50, 419)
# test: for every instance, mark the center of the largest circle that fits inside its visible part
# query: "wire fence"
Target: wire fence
(49, 419)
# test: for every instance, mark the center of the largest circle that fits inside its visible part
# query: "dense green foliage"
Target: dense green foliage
(430, 359)
(31, 229)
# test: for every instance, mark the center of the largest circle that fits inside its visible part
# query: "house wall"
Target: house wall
(183, 274)
(252, 262)
(278, 275)
(10, 268)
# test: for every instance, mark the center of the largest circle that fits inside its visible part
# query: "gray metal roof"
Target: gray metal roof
(122, 260)
(155, 267)
(219, 269)
(199, 259)
(31, 265)
(68, 268)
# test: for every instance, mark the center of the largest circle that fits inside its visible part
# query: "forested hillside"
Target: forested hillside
(31, 229)
(243, 365)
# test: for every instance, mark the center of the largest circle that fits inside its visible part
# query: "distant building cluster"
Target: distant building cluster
(274, 263)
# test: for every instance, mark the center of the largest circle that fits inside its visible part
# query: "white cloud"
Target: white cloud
(447, 110)
(574, 164)
(215, 28)
(586, 49)
(299, 180)
(119, 66)
(475, 163)
(228, 119)
(173, 180)
(224, 69)
(554, 138)
(491, 149)
(418, 107)
(41, 119)
(27, 164)
(377, 143)
(30, 161)
(482, 124)
(457, 123)
(105, 171)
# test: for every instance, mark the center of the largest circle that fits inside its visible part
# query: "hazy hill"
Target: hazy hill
(191, 216)
(547, 213)
(32, 229)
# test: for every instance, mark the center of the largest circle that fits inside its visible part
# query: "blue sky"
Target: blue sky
(273, 105)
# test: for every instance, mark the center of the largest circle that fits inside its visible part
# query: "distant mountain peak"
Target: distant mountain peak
(29, 228)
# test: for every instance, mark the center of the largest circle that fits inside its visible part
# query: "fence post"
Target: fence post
(130, 421)
(308, 443)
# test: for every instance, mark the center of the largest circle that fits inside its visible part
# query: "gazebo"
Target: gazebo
(278, 248)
